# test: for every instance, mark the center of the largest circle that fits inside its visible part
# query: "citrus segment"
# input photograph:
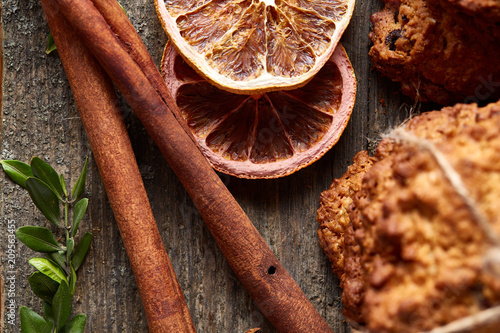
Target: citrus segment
(239, 54)
(267, 135)
(252, 46)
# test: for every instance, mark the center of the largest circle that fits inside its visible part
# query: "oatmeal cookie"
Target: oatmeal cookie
(445, 51)
(410, 252)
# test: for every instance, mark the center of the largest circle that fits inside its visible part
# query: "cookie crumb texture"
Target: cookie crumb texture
(445, 51)
(405, 246)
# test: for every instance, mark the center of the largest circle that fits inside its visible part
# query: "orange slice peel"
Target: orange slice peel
(267, 135)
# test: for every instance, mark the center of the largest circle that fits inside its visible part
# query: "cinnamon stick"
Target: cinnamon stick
(95, 97)
(268, 283)
(133, 44)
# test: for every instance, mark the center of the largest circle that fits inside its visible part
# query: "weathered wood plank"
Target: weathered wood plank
(40, 119)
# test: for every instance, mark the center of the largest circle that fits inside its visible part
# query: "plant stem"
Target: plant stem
(66, 214)
(67, 231)
(68, 253)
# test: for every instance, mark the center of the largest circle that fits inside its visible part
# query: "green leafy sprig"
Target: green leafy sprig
(55, 279)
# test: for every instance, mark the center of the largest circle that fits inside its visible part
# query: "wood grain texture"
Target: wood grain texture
(39, 118)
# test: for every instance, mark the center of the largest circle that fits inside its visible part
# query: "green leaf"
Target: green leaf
(72, 281)
(38, 239)
(32, 322)
(63, 185)
(77, 324)
(81, 250)
(61, 304)
(49, 268)
(48, 313)
(58, 259)
(51, 44)
(17, 171)
(44, 199)
(43, 286)
(78, 211)
(80, 183)
(48, 175)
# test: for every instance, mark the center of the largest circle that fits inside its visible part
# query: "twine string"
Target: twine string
(488, 316)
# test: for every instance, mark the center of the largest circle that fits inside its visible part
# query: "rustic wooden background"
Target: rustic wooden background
(39, 118)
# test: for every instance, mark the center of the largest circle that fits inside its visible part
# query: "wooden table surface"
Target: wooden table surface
(39, 118)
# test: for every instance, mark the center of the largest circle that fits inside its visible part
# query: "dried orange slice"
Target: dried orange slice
(253, 46)
(268, 135)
